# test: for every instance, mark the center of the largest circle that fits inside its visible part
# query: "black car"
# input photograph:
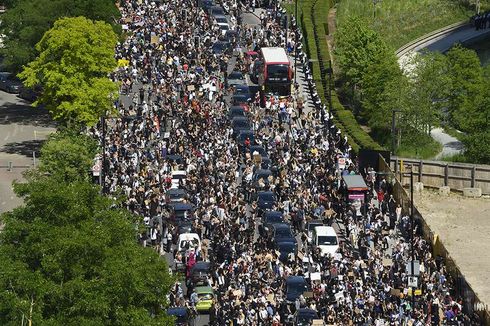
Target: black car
(266, 163)
(261, 174)
(183, 316)
(236, 111)
(175, 158)
(221, 47)
(265, 200)
(216, 11)
(295, 287)
(235, 78)
(200, 273)
(240, 99)
(285, 248)
(243, 135)
(181, 211)
(230, 36)
(261, 150)
(175, 196)
(281, 232)
(9, 83)
(238, 124)
(269, 218)
(305, 317)
(242, 90)
(183, 226)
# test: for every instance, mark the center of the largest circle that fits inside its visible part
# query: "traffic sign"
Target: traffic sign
(416, 268)
(413, 281)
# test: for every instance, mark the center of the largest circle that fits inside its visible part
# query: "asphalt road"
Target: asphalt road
(22, 130)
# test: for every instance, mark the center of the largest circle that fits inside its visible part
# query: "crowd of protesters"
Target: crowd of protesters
(481, 21)
(174, 117)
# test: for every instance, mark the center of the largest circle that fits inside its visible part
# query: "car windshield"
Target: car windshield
(221, 20)
(327, 240)
(219, 46)
(286, 246)
(187, 244)
(283, 232)
(273, 219)
(235, 75)
(241, 124)
(297, 287)
(312, 226)
(206, 296)
(266, 196)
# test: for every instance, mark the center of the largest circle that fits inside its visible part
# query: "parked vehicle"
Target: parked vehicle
(325, 238)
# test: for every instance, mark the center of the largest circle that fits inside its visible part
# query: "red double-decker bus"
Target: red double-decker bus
(274, 72)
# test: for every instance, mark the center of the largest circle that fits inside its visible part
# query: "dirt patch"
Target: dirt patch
(463, 225)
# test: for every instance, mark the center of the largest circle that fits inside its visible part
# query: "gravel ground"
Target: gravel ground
(463, 225)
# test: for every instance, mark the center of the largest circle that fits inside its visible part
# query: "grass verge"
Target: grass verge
(424, 147)
(400, 22)
(317, 50)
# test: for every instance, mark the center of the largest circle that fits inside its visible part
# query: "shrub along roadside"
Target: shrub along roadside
(317, 49)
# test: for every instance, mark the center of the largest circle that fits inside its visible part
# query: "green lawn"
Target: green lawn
(401, 21)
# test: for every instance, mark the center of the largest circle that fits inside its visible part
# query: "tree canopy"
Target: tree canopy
(26, 21)
(75, 58)
(68, 156)
(72, 258)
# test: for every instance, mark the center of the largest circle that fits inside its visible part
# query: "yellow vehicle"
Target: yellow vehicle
(206, 298)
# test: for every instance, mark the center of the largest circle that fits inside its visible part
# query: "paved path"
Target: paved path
(450, 144)
(442, 43)
(22, 130)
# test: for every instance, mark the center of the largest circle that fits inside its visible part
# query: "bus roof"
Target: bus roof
(276, 55)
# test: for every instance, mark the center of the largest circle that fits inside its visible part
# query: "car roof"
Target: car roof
(325, 230)
(202, 264)
(307, 311)
(240, 119)
(237, 107)
(296, 279)
(286, 243)
(273, 213)
(263, 171)
(176, 192)
(188, 236)
(281, 226)
(204, 289)
(265, 193)
(182, 206)
(235, 72)
(177, 311)
(242, 86)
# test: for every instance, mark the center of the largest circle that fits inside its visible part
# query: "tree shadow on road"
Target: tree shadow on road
(25, 114)
(25, 148)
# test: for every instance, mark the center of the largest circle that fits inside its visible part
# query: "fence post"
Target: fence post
(9, 168)
(421, 164)
(446, 175)
(396, 166)
(473, 176)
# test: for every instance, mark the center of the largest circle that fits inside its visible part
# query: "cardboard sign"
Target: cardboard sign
(190, 88)
(395, 292)
(154, 39)
(315, 276)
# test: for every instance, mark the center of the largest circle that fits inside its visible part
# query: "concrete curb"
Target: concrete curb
(429, 36)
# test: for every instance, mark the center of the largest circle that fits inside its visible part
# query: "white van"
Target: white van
(177, 177)
(325, 238)
(188, 241)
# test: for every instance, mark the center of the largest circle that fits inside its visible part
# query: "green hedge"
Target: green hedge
(343, 118)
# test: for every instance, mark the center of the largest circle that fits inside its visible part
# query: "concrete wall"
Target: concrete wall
(471, 302)
(437, 174)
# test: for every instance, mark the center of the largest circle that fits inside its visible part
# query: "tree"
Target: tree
(477, 146)
(26, 21)
(75, 59)
(466, 87)
(68, 156)
(382, 76)
(70, 258)
(357, 47)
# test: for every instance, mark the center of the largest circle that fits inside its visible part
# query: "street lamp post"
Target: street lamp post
(103, 165)
(393, 130)
(295, 40)
(412, 249)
